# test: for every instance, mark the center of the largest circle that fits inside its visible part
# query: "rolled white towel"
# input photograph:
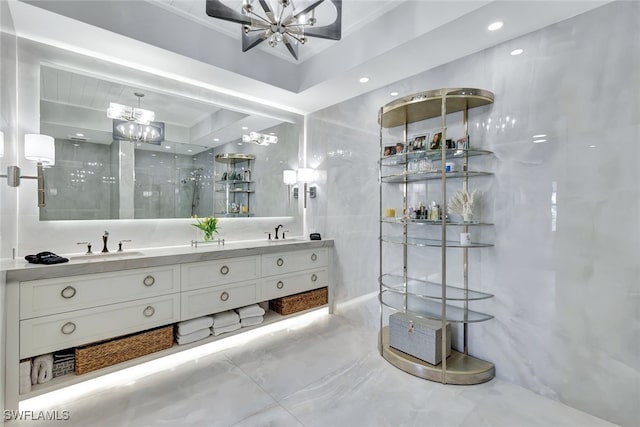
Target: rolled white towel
(193, 337)
(252, 310)
(42, 369)
(251, 321)
(224, 329)
(189, 326)
(25, 376)
(226, 318)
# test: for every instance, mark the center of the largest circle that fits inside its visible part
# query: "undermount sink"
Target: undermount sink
(108, 255)
(286, 240)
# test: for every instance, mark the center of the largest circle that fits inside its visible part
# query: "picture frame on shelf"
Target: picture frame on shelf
(462, 143)
(418, 142)
(399, 148)
(389, 150)
(436, 141)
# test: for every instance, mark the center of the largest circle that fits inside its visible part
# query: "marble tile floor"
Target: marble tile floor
(326, 374)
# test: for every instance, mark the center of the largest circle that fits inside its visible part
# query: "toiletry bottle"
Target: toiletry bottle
(435, 211)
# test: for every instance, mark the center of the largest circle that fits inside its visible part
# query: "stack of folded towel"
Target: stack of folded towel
(193, 330)
(250, 315)
(25, 376)
(227, 321)
(42, 369)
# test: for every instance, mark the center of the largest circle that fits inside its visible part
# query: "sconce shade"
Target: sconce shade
(40, 148)
(305, 174)
(289, 176)
(1, 144)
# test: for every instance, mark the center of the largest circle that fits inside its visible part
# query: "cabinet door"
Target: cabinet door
(60, 295)
(287, 262)
(202, 302)
(50, 333)
(289, 284)
(198, 275)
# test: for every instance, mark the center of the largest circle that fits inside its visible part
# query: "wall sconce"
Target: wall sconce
(40, 149)
(306, 175)
(289, 178)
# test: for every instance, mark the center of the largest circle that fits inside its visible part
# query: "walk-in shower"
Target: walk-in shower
(194, 178)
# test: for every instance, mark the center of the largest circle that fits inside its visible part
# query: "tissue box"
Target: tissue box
(421, 338)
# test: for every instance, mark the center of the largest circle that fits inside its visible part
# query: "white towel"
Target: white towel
(224, 329)
(251, 321)
(252, 310)
(226, 318)
(189, 326)
(193, 337)
(42, 369)
(25, 376)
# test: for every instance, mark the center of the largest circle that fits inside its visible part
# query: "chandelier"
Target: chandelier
(283, 23)
(135, 124)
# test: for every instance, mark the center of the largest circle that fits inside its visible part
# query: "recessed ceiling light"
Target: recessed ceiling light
(495, 26)
(394, 94)
(153, 155)
(515, 52)
(76, 145)
(80, 134)
(364, 79)
(272, 133)
(542, 135)
(168, 147)
(592, 146)
(239, 143)
(216, 139)
(189, 151)
(244, 128)
(538, 141)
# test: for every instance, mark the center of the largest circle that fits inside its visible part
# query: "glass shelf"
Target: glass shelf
(452, 154)
(421, 176)
(233, 181)
(425, 289)
(416, 241)
(431, 222)
(235, 191)
(233, 215)
(424, 307)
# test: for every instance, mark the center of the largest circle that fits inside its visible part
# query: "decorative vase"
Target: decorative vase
(207, 236)
(467, 217)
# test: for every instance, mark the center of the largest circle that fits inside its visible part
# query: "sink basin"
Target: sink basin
(107, 256)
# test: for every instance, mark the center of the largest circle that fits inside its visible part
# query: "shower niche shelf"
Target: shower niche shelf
(234, 185)
(403, 286)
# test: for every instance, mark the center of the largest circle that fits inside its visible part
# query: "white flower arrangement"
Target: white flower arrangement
(462, 204)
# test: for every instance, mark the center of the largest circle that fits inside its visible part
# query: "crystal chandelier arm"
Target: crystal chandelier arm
(292, 47)
(267, 23)
(216, 9)
(252, 39)
(267, 10)
(332, 31)
(311, 7)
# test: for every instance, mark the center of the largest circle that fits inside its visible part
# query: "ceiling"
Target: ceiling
(386, 41)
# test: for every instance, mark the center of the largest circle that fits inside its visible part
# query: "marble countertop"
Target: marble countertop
(20, 270)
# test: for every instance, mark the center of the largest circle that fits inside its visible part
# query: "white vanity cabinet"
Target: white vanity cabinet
(50, 308)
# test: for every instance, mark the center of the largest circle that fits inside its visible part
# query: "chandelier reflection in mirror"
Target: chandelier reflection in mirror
(135, 124)
(281, 21)
(260, 138)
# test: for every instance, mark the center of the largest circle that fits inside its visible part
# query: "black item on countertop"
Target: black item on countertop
(46, 258)
(315, 236)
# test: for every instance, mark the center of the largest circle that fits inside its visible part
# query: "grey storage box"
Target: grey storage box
(421, 338)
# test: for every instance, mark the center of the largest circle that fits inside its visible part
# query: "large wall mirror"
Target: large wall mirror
(199, 167)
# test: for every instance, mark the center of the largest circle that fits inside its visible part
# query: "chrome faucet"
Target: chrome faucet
(105, 237)
(278, 227)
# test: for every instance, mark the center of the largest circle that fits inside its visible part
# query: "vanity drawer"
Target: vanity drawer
(49, 333)
(198, 275)
(287, 262)
(206, 301)
(60, 295)
(289, 284)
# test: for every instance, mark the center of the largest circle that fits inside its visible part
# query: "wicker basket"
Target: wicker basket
(299, 302)
(106, 353)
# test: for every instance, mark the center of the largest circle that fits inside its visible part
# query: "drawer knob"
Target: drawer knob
(68, 292)
(224, 270)
(314, 257)
(314, 277)
(280, 262)
(68, 328)
(224, 296)
(149, 280)
(280, 284)
(149, 311)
